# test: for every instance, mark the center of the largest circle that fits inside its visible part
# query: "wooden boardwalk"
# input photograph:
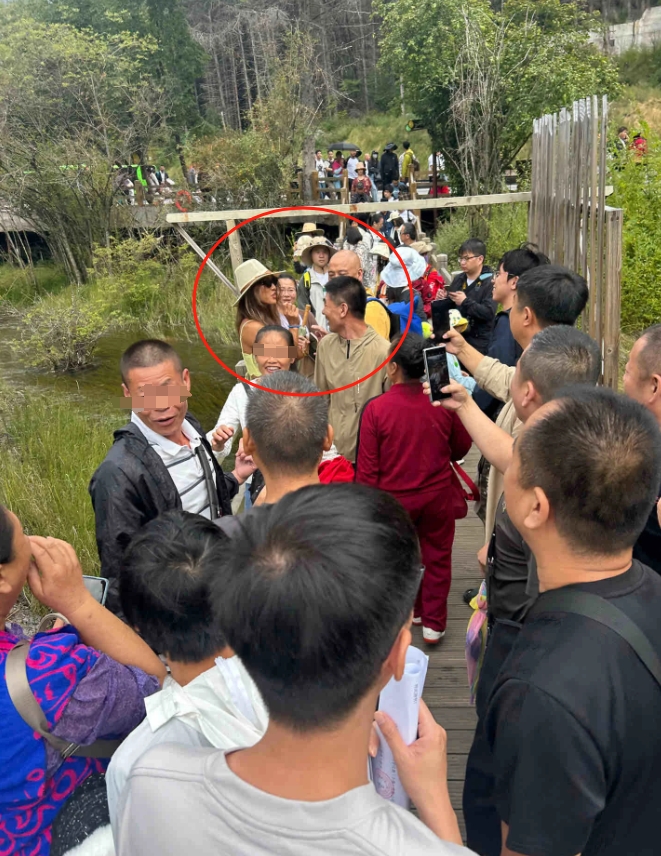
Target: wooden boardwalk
(446, 689)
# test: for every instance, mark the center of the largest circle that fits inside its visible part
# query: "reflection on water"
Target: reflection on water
(98, 389)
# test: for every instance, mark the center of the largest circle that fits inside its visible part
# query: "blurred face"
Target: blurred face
(330, 154)
(406, 240)
(334, 314)
(624, 134)
(345, 263)
(14, 573)
(267, 292)
(286, 291)
(273, 354)
(642, 389)
(353, 153)
(318, 154)
(503, 285)
(360, 172)
(159, 397)
(518, 321)
(521, 393)
(320, 256)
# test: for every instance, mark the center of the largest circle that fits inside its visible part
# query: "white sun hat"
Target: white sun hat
(393, 273)
(249, 273)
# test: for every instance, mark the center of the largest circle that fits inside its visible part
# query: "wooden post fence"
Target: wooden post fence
(569, 219)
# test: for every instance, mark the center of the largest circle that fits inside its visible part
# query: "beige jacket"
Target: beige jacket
(496, 378)
(343, 361)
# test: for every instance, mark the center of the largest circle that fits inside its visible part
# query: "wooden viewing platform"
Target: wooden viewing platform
(446, 688)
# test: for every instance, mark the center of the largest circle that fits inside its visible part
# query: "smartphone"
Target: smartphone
(436, 364)
(97, 587)
(440, 317)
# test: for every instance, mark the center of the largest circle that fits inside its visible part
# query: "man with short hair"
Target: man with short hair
(159, 460)
(347, 263)
(346, 356)
(287, 434)
(408, 234)
(407, 161)
(557, 356)
(503, 346)
(545, 295)
(573, 717)
(471, 291)
(208, 699)
(297, 597)
(642, 382)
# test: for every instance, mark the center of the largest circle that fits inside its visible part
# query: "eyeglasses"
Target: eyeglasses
(466, 258)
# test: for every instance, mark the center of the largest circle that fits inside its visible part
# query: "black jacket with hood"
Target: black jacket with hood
(131, 487)
(478, 307)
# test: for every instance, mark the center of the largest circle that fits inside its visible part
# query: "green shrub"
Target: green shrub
(21, 286)
(638, 192)
(506, 227)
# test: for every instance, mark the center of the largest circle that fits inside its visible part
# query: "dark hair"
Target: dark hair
(396, 294)
(597, 457)
(6, 537)
(353, 236)
(289, 431)
(560, 356)
(649, 358)
(146, 354)
(286, 275)
(347, 289)
(377, 217)
(554, 293)
(313, 595)
(249, 308)
(474, 246)
(275, 328)
(406, 144)
(518, 261)
(409, 357)
(622, 128)
(410, 230)
(389, 188)
(163, 585)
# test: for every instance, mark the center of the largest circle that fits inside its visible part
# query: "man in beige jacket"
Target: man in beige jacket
(545, 295)
(348, 354)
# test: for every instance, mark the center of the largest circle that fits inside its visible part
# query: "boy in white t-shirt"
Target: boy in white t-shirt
(315, 594)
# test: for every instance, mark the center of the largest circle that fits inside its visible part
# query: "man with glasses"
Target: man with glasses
(471, 292)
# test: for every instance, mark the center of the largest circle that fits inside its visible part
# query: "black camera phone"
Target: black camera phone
(438, 373)
(440, 317)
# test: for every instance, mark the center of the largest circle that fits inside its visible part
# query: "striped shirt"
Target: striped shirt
(183, 465)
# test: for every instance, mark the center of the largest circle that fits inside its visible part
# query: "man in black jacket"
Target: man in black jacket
(389, 165)
(160, 460)
(472, 293)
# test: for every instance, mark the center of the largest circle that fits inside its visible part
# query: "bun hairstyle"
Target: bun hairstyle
(410, 356)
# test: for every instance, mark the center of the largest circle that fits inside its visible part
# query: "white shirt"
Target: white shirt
(321, 166)
(233, 415)
(179, 801)
(440, 163)
(222, 708)
(183, 465)
(352, 163)
(317, 293)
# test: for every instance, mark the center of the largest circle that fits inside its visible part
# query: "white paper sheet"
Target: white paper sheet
(401, 701)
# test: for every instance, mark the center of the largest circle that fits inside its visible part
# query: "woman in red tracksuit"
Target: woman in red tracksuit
(405, 447)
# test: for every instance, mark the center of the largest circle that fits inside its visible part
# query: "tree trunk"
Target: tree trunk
(308, 168)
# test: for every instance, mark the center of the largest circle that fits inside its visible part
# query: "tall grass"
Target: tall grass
(21, 286)
(507, 227)
(49, 448)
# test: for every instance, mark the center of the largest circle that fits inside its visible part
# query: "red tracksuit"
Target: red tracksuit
(405, 447)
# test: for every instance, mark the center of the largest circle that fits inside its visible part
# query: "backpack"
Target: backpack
(415, 163)
(394, 319)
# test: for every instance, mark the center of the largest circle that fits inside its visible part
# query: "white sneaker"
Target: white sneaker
(417, 620)
(432, 637)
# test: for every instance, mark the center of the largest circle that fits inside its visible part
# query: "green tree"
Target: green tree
(478, 77)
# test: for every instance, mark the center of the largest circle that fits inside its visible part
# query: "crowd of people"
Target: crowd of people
(233, 675)
(380, 173)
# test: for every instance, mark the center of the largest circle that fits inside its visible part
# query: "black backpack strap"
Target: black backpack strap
(604, 612)
(23, 699)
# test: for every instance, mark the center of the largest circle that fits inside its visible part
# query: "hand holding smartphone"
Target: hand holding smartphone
(436, 365)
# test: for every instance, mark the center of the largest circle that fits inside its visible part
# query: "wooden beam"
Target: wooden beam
(360, 208)
(234, 241)
(210, 263)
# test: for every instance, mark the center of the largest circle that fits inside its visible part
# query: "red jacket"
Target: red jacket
(428, 287)
(336, 470)
(405, 445)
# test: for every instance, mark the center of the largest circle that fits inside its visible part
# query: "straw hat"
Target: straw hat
(395, 215)
(309, 229)
(393, 273)
(302, 242)
(306, 256)
(422, 247)
(250, 273)
(381, 249)
(362, 166)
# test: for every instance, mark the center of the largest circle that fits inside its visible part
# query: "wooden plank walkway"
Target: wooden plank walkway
(446, 689)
